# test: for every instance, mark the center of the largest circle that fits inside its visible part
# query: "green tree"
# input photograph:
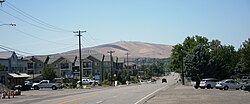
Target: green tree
(180, 51)
(48, 72)
(197, 62)
(244, 52)
(223, 62)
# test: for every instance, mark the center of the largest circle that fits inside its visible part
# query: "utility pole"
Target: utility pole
(127, 59)
(1, 1)
(80, 54)
(111, 65)
(33, 63)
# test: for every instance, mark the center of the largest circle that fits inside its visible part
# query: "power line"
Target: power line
(29, 22)
(34, 18)
(56, 51)
(4, 47)
(40, 38)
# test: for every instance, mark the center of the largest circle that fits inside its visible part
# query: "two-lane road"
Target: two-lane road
(132, 94)
(118, 95)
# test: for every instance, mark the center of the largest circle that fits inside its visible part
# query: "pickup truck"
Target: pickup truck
(46, 84)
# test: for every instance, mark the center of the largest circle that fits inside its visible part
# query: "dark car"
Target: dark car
(164, 80)
(246, 87)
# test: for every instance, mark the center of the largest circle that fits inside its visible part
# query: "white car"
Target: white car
(88, 81)
(228, 84)
(208, 83)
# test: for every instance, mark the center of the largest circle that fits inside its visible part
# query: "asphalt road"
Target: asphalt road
(132, 94)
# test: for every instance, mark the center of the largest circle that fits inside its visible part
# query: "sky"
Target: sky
(46, 26)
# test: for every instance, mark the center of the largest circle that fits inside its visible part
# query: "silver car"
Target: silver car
(228, 84)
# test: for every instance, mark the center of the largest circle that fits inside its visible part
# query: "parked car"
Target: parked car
(228, 84)
(208, 83)
(245, 78)
(164, 80)
(26, 85)
(87, 81)
(46, 84)
(246, 87)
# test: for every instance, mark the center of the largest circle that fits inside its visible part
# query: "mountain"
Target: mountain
(135, 50)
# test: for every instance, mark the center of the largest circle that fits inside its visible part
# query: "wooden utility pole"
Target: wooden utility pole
(127, 59)
(111, 66)
(1, 1)
(80, 54)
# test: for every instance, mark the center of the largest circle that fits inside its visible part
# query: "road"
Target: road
(132, 94)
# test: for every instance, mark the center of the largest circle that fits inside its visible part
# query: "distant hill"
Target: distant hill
(135, 50)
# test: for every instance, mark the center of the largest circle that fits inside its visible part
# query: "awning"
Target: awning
(19, 75)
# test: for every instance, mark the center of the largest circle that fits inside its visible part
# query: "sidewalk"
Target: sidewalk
(180, 94)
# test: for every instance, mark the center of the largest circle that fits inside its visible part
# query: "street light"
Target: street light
(11, 24)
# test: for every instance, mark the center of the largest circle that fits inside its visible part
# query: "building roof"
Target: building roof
(19, 75)
(6, 54)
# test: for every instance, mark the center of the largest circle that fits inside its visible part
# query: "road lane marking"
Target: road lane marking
(99, 102)
(150, 94)
(75, 99)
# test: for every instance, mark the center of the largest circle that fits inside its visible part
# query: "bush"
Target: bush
(106, 83)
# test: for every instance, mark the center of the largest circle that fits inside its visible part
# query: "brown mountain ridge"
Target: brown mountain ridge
(135, 50)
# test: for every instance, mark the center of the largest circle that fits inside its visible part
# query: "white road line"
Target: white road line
(99, 102)
(150, 94)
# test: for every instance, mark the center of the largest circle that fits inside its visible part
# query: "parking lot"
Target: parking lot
(189, 95)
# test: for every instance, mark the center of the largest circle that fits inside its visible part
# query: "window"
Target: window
(64, 65)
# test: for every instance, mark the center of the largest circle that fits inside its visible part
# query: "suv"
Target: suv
(208, 83)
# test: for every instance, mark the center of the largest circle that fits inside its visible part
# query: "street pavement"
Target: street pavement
(132, 94)
(145, 93)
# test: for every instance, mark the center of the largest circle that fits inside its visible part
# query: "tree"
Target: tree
(223, 62)
(244, 52)
(48, 72)
(197, 62)
(180, 51)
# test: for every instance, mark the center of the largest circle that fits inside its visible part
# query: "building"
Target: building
(13, 69)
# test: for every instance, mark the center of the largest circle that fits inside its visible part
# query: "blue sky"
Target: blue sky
(107, 21)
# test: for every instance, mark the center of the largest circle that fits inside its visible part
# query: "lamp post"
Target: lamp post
(11, 24)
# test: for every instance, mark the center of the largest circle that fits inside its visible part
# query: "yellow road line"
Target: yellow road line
(75, 99)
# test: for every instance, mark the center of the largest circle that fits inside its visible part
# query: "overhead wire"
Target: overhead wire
(11, 6)
(8, 48)
(40, 27)
(39, 38)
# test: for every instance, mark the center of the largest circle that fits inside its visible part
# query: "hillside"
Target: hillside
(135, 50)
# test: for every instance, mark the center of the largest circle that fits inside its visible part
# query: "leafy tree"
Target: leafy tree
(197, 62)
(245, 56)
(180, 51)
(48, 72)
(223, 62)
